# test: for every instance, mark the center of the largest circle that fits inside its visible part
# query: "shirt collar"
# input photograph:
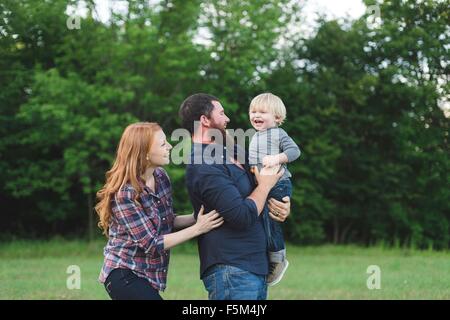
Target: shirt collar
(206, 153)
(156, 175)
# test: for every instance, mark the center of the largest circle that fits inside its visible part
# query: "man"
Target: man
(233, 258)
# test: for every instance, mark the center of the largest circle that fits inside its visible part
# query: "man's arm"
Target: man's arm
(266, 180)
(218, 191)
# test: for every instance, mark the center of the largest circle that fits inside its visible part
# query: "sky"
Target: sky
(332, 8)
(335, 9)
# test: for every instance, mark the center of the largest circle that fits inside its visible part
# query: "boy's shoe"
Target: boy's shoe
(276, 272)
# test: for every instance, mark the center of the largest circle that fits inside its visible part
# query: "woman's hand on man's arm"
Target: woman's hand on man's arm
(183, 221)
(203, 224)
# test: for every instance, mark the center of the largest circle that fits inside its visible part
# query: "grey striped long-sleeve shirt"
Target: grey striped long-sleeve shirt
(272, 141)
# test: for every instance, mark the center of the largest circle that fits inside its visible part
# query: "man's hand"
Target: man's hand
(268, 176)
(279, 210)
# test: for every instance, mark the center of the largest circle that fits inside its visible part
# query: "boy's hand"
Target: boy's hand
(271, 160)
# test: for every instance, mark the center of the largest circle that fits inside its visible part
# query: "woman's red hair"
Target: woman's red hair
(129, 164)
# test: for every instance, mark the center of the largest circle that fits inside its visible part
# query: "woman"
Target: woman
(136, 213)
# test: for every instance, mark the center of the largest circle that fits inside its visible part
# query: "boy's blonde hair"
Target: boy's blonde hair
(270, 103)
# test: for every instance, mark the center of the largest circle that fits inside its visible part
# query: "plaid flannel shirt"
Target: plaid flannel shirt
(136, 231)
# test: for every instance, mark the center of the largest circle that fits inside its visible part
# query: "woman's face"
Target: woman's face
(159, 154)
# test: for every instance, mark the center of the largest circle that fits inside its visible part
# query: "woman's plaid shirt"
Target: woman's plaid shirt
(136, 231)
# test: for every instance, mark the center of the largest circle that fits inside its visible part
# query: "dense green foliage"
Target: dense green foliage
(362, 104)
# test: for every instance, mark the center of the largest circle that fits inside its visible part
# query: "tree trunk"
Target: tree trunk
(90, 204)
(335, 230)
(345, 232)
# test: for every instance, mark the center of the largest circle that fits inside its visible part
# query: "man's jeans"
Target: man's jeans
(224, 282)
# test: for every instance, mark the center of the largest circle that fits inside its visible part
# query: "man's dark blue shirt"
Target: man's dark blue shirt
(221, 185)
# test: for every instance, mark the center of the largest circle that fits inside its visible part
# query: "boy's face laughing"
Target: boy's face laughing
(262, 119)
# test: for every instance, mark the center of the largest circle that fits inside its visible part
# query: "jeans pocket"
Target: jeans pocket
(210, 285)
(128, 277)
(108, 287)
(245, 285)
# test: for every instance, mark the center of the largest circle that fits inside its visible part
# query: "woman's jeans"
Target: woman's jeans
(224, 282)
(123, 284)
(273, 228)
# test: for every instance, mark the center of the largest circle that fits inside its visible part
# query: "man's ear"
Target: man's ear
(204, 121)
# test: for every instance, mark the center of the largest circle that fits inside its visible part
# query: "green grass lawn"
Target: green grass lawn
(37, 270)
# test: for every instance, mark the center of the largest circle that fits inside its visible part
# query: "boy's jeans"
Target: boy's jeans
(273, 228)
(224, 282)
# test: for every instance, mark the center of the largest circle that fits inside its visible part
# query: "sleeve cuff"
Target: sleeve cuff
(252, 205)
(156, 246)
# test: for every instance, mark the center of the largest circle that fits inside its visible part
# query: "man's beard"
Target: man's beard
(229, 142)
(222, 130)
